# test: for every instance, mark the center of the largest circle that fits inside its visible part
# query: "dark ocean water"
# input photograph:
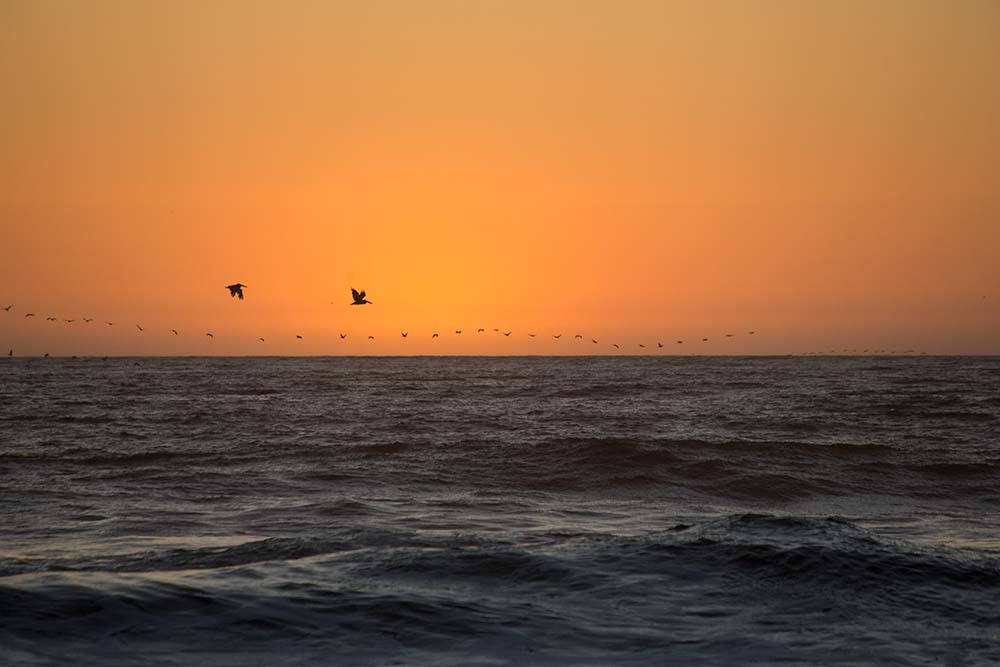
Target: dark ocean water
(500, 511)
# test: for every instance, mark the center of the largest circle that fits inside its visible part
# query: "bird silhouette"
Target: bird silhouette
(704, 340)
(8, 309)
(29, 315)
(139, 328)
(371, 338)
(261, 339)
(359, 297)
(458, 331)
(88, 320)
(405, 334)
(578, 336)
(496, 330)
(729, 335)
(434, 335)
(680, 342)
(298, 337)
(343, 336)
(480, 330)
(659, 345)
(210, 335)
(46, 355)
(507, 333)
(641, 345)
(531, 335)
(175, 331)
(615, 345)
(751, 332)
(110, 324)
(51, 319)
(594, 341)
(69, 321)
(236, 290)
(557, 336)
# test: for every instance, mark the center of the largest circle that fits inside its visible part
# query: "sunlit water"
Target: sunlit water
(500, 511)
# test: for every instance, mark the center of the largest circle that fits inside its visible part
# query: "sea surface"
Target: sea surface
(500, 511)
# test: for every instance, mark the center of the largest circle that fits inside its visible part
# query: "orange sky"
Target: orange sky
(827, 174)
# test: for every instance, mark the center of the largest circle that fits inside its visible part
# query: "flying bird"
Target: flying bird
(8, 309)
(434, 335)
(343, 336)
(615, 345)
(531, 335)
(236, 290)
(110, 324)
(405, 334)
(557, 336)
(659, 345)
(175, 331)
(507, 333)
(210, 335)
(261, 339)
(594, 341)
(578, 336)
(298, 337)
(680, 342)
(88, 320)
(359, 297)
(458, 331)
(480, 330)
(729, 335)
(139, 328)
(29, 315)
(371, 338)
(51, 319)
(751, 332)
(69, 321)
(641, 345)
(704, 340)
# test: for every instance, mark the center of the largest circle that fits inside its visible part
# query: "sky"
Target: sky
(826, 174)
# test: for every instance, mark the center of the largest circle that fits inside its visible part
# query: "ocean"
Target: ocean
(500, 511)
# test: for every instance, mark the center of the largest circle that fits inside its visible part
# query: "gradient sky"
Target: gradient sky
(825, 173)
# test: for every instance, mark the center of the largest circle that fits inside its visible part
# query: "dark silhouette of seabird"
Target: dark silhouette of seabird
(557, 336)
(69, 321)
(480, 330)
(507, 333)
(51, 319)
(751, 332)
(641, 345)
(531, 335)
(10, 352)
(680, 342)
(343, 336)
(139, 328)
(175, 331)
(371, 338)
(615, 345)
(110, 324)
(210, 335)
(580, 336)
(729, 335)
(29, 315)
(46, 355)
(434, 335)
(405, 334)
(236, 290)
(261, 339)
(359, 297)
(298, 337)
(458, 331)
(659, 345)
(704, 340)
(594, 341)
(8, 309)
(88, 320)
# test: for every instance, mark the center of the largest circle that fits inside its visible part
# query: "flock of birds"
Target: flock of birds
(360, 299)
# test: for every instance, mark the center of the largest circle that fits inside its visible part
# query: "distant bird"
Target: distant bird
(343, 336)
(236, 290)
(496, 330)
(88, 320)
(210, 335)
(615, 345)
(578, 336)
(507, 333)
(557, 336)
(729, 335)
(704, 340)
(641, 345)
(139, 328)
(751, 332)
(69, 321)
(29, 315)
(359, 297)
(175, 331)
(405, 334)
(594, 341)
(51, 319)
(434, 335)
(371, 338)
(110, 324)
(531, 335)
(480, 330)
(261, 339)
(680, 342)
(12, 305)
(298, 337)
(458, 331)
(659, 345)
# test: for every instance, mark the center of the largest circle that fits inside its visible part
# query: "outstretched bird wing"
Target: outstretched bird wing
(357, 295)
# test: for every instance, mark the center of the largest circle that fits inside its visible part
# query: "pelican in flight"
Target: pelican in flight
(343, 336)
(236, 290)
(8, 310)
(507, 333)
(434, 335)
(210, 335)
(139, 328)
(480, 330)
(405, 334)
(175, 331)
(359, 297)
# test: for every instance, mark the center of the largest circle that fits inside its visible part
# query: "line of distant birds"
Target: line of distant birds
(359, 298)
